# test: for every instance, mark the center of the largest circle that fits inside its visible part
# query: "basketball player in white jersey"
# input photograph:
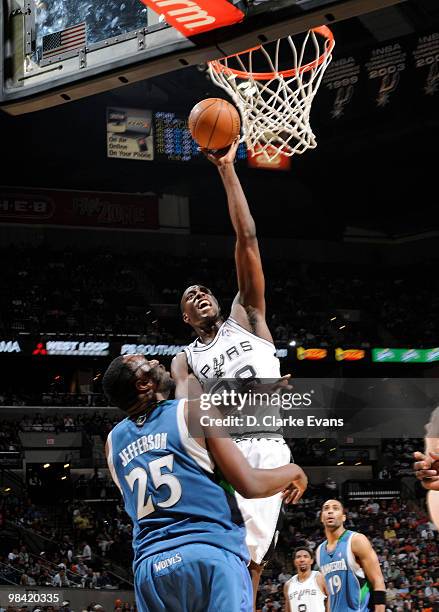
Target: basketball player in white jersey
(306, 591)
(238, 346)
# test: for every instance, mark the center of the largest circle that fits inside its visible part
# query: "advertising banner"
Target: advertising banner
(79, 208)
(130, 134)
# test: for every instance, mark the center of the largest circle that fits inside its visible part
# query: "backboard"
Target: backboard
(55, 51)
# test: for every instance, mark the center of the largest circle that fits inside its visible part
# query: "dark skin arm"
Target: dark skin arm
(249, 304)
(367, 558)
(322, 584)
(186, 385)
(429, 477)
(249, 482)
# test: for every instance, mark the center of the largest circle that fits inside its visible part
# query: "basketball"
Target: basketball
(214, 123)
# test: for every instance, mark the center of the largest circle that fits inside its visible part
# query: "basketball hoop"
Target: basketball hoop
(275, 105)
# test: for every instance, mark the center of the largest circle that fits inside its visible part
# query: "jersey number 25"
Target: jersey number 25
(158, 479)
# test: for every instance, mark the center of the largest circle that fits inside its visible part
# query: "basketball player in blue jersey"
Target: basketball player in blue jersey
(236, 347)
(188, 538)
(349, 564)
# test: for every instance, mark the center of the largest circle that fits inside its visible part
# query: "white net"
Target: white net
(275, 105)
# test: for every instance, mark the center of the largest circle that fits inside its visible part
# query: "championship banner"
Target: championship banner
(197, 16)
(79, 208)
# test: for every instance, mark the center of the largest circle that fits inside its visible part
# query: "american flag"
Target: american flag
(66, 40)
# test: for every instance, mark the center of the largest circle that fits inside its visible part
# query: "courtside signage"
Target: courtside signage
(391, 355)
(9, 346)
(79, 348)
(195, 16)
(151, 349)
(349, 354)
(312, 354)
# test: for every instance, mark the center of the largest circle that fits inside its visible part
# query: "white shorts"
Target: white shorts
(261, 515)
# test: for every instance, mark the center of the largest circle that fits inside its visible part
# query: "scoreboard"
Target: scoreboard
(173, 140)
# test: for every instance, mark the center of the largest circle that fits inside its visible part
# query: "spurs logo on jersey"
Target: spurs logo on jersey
(305, 596)
(234, 353)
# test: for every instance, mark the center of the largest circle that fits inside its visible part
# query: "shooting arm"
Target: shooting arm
(251, 282)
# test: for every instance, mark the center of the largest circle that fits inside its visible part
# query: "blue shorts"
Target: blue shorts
(193, 578)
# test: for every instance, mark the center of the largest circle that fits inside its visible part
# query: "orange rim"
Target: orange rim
(266, 76)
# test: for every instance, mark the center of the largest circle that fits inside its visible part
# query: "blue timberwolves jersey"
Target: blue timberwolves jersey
(167, 482)
(348, 589)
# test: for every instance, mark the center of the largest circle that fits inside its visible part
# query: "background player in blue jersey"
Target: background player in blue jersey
(189, 537)
(349, 565)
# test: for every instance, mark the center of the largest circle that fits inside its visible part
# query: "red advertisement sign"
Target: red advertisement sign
(349, 354)
(196, 16)
(78, 208)
(313, 354)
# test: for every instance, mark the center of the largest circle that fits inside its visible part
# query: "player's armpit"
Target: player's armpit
(186, 385)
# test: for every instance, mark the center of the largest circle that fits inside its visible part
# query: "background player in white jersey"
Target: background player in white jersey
(349, 564)
(240, 346)
(306, 591)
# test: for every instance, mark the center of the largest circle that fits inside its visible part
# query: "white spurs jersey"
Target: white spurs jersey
(236, 353)
(233, 353)
(305, 596)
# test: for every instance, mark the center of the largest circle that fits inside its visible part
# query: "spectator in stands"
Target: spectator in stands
(60, 579)
(86, 553)
(284, 575)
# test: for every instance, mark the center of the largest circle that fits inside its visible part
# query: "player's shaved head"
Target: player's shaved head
(192, 289)
(199, 306)
(330, 502)
(332, 514)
